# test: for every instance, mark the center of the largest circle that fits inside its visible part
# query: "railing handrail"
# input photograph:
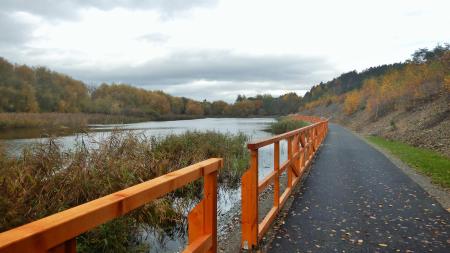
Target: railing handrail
(60, 229)
(302, 145)
(270, 140)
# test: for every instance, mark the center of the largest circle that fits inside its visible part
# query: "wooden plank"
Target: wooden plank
(296, 180)
(69, 246)
(266, 181)
(265, 223)
(289, 172)
(296, 157)
(264, 142)
(249, 197)
(301, 148)
(202, 244)
(284, 166)
(210, 215)
(294, 171)
(53, 230)
(196, 222)
(285, 195)
(276, 168)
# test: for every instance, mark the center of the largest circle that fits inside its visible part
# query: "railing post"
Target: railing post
(297, 151)
(69, 246)
(311, 144)
(289, 170)
(316, 140)
(210, 195)
(276, 167)
(249, 195)
(303, 150)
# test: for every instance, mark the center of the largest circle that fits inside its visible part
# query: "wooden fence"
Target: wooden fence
(302, 145)
(58, 232)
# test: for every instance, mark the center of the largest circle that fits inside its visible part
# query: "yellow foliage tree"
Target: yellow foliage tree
(194, 108)
(352, 102)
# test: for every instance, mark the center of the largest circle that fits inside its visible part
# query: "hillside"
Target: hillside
(406, 101)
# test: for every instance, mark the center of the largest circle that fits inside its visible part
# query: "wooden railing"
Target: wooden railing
(302, 145)
(58, 232)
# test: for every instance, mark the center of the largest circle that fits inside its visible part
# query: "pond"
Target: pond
(228, 199)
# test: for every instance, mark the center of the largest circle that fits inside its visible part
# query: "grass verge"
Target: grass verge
(429, 162)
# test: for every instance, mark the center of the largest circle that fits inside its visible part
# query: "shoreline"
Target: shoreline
(55, 120)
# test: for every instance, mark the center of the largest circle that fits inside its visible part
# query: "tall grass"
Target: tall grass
(45, 179)
(55, 120)
(286, 124)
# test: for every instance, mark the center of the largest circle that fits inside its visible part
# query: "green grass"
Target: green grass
(286, 124)
(429, 162)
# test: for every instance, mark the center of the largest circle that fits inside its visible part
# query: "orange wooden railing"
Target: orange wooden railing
(302, 145)
(58, 232)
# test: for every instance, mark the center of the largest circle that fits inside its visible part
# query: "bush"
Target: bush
(286, 124)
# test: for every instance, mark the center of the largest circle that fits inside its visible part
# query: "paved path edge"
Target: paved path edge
(437, 192)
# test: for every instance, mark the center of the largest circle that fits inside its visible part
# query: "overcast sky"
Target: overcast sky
(217, 49)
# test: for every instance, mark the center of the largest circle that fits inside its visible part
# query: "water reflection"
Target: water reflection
(17, 139)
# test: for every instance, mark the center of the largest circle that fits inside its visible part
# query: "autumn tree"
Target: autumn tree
(219, 107)
(194, 108)
(352, 102)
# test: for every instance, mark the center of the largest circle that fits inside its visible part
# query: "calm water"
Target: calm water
(252, 127)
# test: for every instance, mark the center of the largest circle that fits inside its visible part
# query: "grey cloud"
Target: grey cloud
(13, 31)
(68, 9)
(181, 68)
(216, 74)
(156, 38)
(229, 90)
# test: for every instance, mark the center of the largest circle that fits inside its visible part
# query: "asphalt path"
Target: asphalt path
(356, 200)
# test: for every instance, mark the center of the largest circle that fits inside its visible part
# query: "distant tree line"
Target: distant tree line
(38, 89)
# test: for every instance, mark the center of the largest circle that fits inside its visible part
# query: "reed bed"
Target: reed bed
(61, 120)
(286, 124)
(45, 179)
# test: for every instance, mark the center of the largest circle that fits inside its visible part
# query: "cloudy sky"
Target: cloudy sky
(216, 49)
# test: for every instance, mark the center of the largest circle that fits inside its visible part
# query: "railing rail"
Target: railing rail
(58, 232)
(302, 145)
